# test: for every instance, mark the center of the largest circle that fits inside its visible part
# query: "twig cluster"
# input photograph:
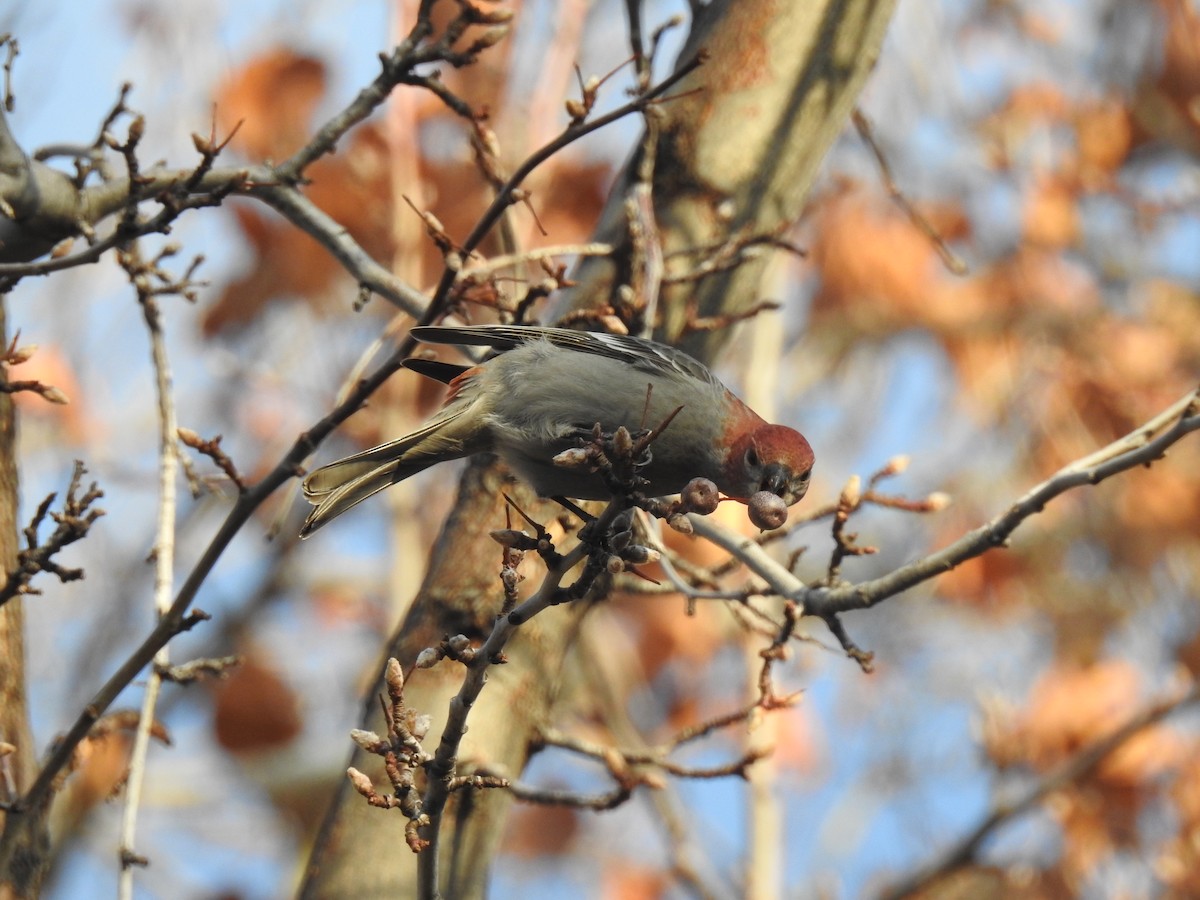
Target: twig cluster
(699, 583)
(630, 768)
(72, 523)
(211, 447)
(853, 498)
(14, 355)
(403, 756)
(279, 187)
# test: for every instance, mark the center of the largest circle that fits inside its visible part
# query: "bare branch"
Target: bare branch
(198, 669)
(1142, 446)
(72, 524)
(212, 449)
(290, 465)
(950, 259)
(441, 768)
(143, 276)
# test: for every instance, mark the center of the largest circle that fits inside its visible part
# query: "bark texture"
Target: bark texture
(24, 843)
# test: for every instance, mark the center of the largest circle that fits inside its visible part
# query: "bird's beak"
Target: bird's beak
(779, 480)
(775, 479)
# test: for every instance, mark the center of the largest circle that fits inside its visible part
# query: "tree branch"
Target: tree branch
(1141, 447)
(140, 276)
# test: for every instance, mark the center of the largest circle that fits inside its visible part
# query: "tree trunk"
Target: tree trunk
(739, 150)
(24, 841)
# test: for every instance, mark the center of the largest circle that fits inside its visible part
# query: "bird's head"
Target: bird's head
(771, 458)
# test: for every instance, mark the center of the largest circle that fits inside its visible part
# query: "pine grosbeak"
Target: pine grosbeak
(546, 389)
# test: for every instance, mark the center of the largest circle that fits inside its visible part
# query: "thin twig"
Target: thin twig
(13, 49)
(950, 259)
(164, 560)
(512, 260)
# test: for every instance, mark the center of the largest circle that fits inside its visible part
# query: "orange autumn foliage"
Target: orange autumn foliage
(254, 708)
(1070, 709)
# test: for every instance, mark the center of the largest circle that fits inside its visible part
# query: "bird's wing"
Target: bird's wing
(451, 434)
(329, 503)
(434, 368)
(646, 356)
(430, 440)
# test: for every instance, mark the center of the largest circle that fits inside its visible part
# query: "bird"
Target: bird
(544, 391)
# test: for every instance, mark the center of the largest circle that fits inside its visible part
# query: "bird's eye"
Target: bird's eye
(752, 459)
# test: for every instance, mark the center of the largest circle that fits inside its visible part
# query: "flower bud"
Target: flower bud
(613, 324)
(22, 354)
(623, 442)
(487, 138)
(189, 437)
(574, 458)
(367, 740)
(639, 555)
(851, 493)
(491, 37)
(361, 782)
(700, 496)
(681, 523)
(53, 394)
(767, 511)
(511, 538)
(491, 16)
(427, 658)
(393, 675)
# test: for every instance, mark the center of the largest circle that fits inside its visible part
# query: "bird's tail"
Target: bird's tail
(337, 487)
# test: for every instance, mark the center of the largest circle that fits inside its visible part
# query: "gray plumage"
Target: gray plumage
(544, 390)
